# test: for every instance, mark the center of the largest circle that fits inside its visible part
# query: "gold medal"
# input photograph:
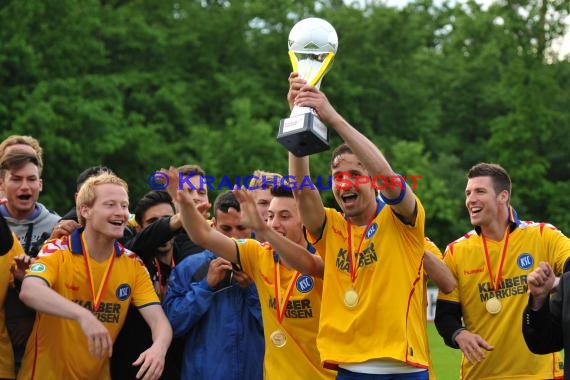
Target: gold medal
(493, 305)
(350, 298)
(278, 338)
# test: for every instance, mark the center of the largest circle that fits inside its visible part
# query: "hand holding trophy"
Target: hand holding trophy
(313, 43)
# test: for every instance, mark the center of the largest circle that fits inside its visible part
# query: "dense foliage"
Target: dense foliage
(140, 84)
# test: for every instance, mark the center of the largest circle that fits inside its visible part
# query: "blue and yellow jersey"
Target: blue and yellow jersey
(529, 243)
(57, 347)
(298, 358)
(388, 321)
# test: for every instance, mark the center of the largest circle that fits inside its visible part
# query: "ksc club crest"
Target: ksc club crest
(525, 261)
(371, 230)
(305, 283)
(123, 292)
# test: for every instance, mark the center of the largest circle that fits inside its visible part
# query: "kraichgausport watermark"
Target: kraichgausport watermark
(341, 181)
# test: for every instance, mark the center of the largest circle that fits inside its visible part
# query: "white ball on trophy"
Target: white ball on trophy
(313, 36)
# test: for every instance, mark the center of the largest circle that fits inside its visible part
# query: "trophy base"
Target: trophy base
(303, 134)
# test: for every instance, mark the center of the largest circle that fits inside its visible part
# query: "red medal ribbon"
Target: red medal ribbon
(281, 305)
(159, 275)
(352, 261)
(495, 282)
(96, 298)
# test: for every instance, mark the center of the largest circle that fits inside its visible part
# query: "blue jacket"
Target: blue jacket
(222, 327)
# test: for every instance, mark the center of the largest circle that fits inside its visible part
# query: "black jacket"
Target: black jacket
(548, 329)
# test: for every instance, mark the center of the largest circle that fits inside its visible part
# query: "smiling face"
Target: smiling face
(109, 214)
(21, 187)
(284, 218)
(102, 205)
(354, 199)
(482, 201)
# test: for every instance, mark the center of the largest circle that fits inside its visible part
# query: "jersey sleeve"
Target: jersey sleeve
(143, 292)
(449, 260)
(47, 263)
(557, 247)
(414, 232)
(333, 221)
(430, 246)
(248, 251)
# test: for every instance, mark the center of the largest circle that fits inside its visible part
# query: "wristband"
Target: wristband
(395, 201)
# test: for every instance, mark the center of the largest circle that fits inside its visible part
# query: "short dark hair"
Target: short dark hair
(339, 151)
(91, 172)
(282, 192)
(191, 169)
(499, 176)
(150, 199)
(225, 201)
(17, 159)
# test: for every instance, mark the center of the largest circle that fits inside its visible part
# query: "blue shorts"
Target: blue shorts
(343, 374)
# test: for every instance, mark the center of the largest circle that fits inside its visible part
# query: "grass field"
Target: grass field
(446, 360)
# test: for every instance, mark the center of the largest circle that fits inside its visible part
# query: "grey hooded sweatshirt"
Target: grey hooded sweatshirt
(34, 230)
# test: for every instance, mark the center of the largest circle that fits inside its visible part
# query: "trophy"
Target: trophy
(312, 47)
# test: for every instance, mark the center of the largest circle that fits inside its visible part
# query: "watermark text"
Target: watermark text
(340, 181)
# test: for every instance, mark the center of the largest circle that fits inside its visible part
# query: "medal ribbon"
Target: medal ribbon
(353, 260)
(495, 282)
(96, 298)
(159, 274)
(281, 304)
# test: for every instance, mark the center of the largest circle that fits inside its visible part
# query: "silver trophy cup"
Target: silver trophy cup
(313, 43)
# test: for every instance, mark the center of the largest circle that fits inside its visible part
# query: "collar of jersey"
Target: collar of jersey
(77, 248)
(379, 206)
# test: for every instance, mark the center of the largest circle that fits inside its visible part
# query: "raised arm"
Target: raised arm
(293, 254)
(309, 202)
(194, 223)
(367, 153)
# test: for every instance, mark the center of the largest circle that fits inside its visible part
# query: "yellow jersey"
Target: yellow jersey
(529, 243)
(290, 344)
(6, 353)
(430, 246)
(57, 347)
(388, 321)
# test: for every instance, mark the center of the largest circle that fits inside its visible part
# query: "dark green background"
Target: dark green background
(137, 85)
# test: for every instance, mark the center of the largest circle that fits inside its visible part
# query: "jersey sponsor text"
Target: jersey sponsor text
(295, 308)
